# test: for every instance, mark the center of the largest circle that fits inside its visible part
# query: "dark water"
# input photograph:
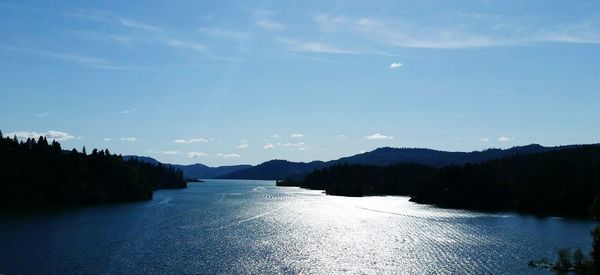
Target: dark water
(254, 227)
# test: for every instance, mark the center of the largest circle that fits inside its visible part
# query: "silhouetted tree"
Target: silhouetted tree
(562, 182)
(37, 174)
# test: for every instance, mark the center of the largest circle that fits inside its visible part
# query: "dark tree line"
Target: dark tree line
(36, 173)
(563, 182)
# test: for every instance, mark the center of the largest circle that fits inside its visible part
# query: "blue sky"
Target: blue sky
(223, 82)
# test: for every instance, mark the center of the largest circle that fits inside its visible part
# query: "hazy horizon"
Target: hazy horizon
(223, 83)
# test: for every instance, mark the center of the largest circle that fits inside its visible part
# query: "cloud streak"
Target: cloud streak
(506, 139)
(191, 140)
(228, 156)
(196, 154)
(378, 136)
(51, 135)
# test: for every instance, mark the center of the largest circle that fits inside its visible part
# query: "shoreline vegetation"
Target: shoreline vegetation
(564, 182)
(38, 174)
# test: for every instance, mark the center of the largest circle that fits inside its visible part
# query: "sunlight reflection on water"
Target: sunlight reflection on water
(254, 227)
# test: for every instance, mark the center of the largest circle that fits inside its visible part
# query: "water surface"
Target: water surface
(227, 226)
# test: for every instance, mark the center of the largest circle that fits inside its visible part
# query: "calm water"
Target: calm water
(254, 227)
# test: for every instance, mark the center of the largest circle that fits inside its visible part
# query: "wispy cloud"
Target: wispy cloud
(242, 146)
(275, 136)
(51, 135)
(342, 136)
(298, 144)
(139, 25)
(107, 37)
(312, 47)
(107, 139)
(227, 156)
(296, 135)
(191, 140)
(269, 146)
(197, 154)
(484, 139)
(329, 23)
(270, 25)
(176, 43)
(506, 139)
(223, 33)
(378, 136)
(171, 152)
(420, 37)
(461, 30)
(395, 65)
(129, 111)
(78, 59)
(129, 139)
(42, 114)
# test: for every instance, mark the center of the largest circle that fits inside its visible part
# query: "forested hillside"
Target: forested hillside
(36, 173)
(561, 182)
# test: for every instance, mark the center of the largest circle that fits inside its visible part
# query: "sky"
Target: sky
(230, 82)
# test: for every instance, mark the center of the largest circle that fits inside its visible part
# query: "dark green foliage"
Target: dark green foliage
(596, 249)
(561, 182)
(282, 169)
(37, 174)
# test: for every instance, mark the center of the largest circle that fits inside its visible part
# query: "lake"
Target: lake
(234, 226)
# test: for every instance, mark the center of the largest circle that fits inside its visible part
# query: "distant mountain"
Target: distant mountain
(201, 171)
(195, 170)
(142, 159)
(281, 169)
(276, 169)
(387, 156)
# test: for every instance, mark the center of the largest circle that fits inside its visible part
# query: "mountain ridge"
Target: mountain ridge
(383, 156)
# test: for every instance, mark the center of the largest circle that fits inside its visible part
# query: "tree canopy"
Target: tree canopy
(36, 173)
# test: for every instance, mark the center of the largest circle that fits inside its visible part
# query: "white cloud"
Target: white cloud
(176, 43)
(484, 139)
(129, 111)
(268, 146)
(400, 35)
(227, 156)
(137, 25)
(171, 152)
(106, 139)
(342, 136)
(196, 154)
(330, 23)
(274, 136)
(378, 136)
(395, 65)
(131, 139)
(299, 144)
(297, 135)
(80, 60)
(242, 146)
(43, 114)
(270, 25)
(505, 139)
(313, 47)
(188, 141)
(223, 33)
(51, 135)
